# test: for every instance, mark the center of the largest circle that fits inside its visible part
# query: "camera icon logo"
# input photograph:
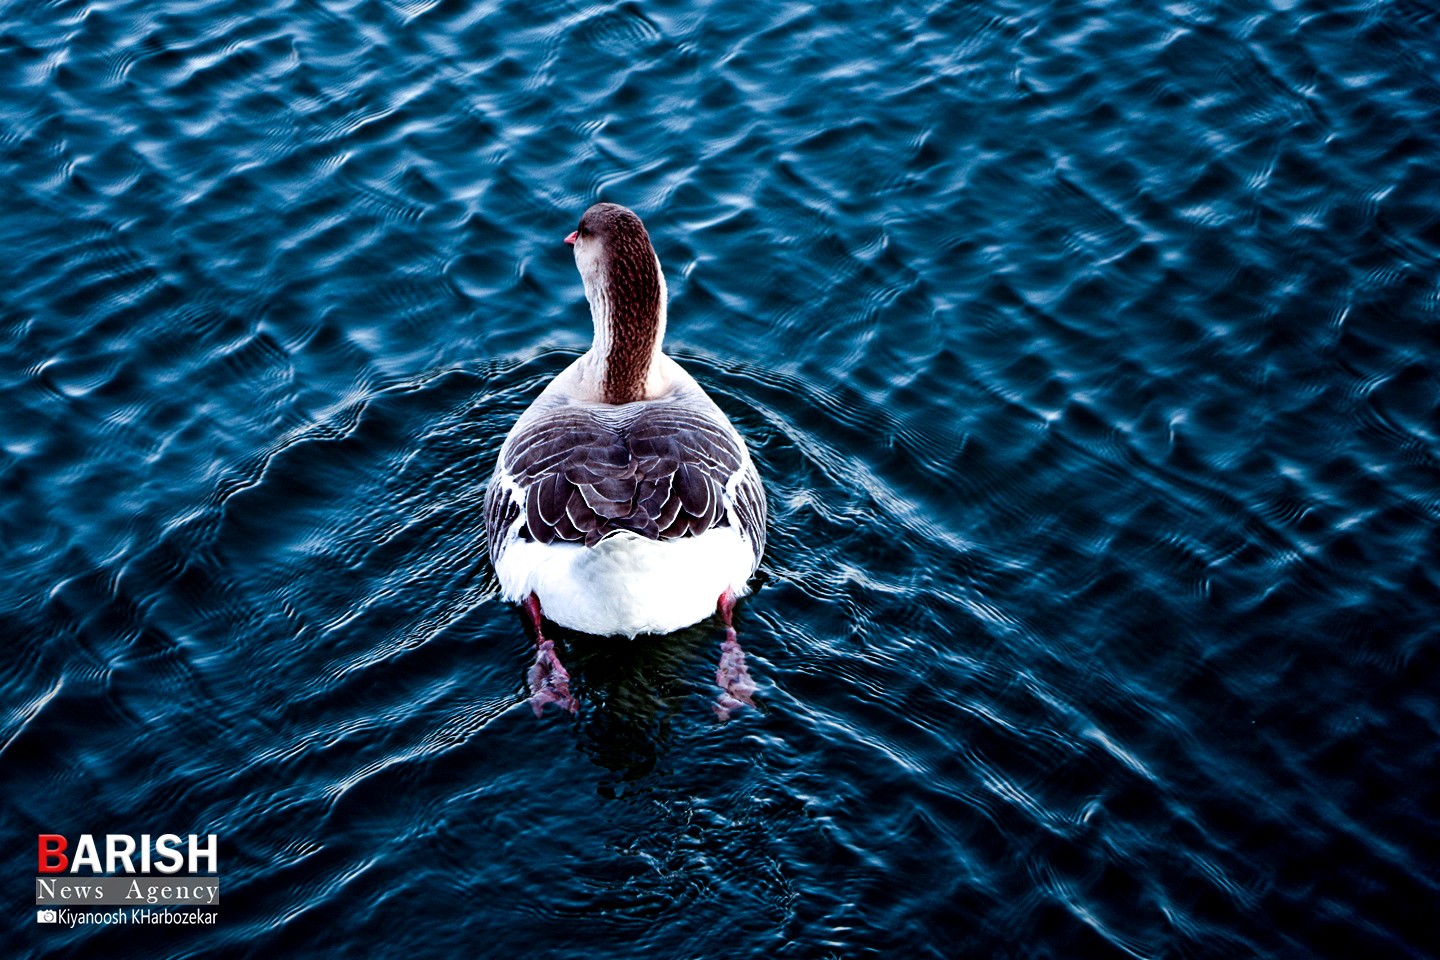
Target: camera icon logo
(46, 916)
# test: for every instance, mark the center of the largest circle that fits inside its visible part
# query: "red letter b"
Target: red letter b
(52, 853)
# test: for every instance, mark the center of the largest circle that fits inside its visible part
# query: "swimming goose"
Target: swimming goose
(623, 501)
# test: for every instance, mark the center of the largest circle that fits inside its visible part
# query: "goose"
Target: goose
(623, 501)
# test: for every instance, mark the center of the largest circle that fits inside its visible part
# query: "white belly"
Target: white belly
(627, 585)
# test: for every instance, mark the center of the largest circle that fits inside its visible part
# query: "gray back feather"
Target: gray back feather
(658, 469)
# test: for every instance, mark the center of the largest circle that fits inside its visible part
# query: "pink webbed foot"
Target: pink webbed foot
(549, 681)
(736, 687)
(547, 677)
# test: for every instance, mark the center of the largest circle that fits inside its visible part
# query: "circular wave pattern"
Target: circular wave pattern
(1088, 352)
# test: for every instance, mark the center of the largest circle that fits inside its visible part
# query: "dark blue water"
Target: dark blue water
(1090, 353)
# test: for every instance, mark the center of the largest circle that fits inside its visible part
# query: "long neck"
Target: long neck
(627, 303)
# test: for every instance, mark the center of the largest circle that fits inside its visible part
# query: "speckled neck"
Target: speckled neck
(627, 303)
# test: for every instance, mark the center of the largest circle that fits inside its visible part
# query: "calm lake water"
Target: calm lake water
(1090, 353)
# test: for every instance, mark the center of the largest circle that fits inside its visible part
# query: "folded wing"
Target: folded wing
(581, 472)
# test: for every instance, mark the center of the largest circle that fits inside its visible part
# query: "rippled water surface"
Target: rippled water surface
(1090, 353)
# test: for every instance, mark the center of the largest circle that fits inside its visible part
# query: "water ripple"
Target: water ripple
(1087, 353)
